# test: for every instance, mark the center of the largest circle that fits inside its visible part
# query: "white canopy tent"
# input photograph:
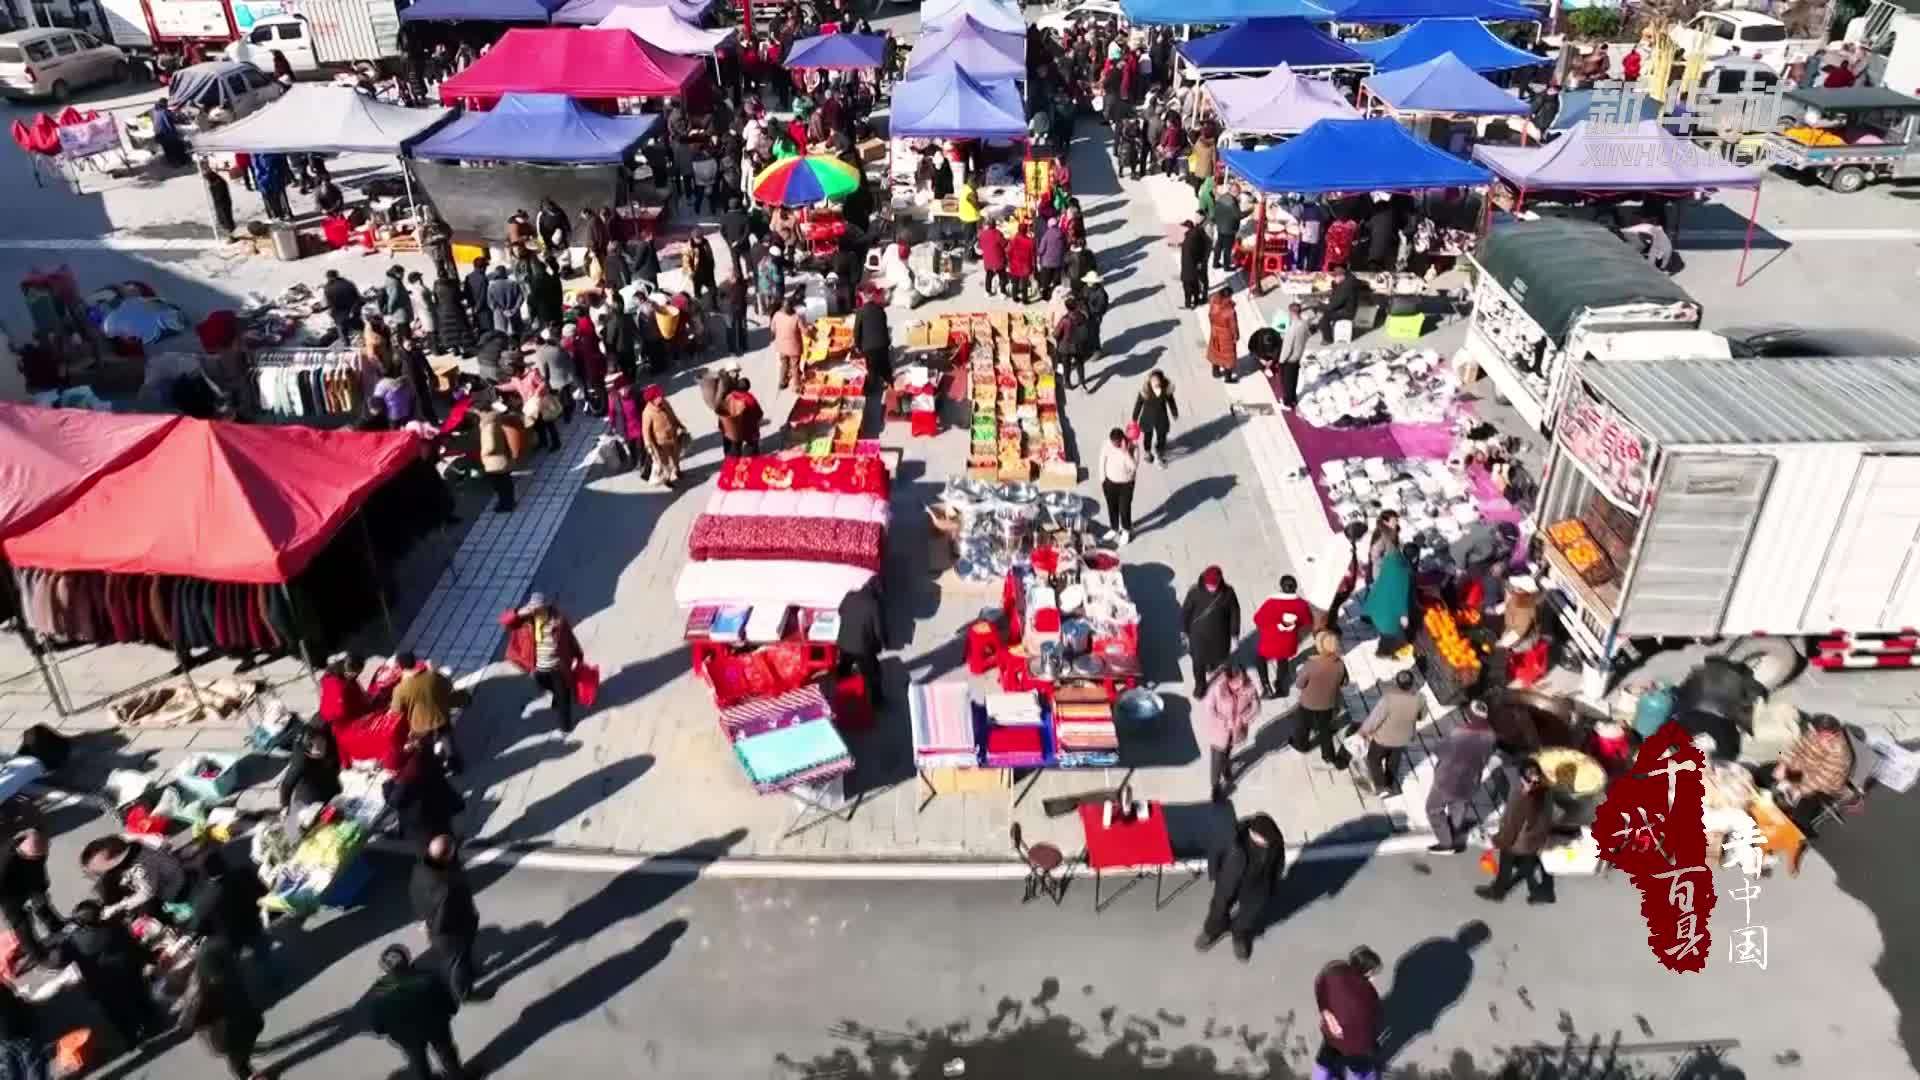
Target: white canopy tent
(325, 120)
(666, 31)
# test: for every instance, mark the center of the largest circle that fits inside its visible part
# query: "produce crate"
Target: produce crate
(1449, 685)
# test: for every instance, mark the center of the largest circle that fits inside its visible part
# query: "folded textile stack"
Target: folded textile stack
(1016, 731)
(758, 538)
(1014, 710)
(1430, 495)
(1356, 387)
(728, 623)
(1083, 726)
(768, 623)
(943, 725)
(803, 753)
(788, 709)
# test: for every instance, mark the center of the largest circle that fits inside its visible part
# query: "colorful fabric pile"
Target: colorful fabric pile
(787, 740)
(851, 474)
(820, 504)
(188, 612)
(943, 732)
(803, 539)
(1083, 727)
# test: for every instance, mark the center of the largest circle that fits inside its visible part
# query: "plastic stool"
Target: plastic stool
(983, 647)
(1273, 263)
(1343, 331)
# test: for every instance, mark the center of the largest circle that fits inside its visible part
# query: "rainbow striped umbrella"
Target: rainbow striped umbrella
(804, 181)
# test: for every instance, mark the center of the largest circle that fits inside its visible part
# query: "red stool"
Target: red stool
(851, 710)
(983, 647)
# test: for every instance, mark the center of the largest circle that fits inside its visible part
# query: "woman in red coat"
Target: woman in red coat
(1280, 619)
(540, 642)
(1019, 264)
(993, 257)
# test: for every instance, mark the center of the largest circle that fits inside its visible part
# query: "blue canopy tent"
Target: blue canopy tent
(515, 11)
(544, 128)
(1467, 39)
(1405, 12)
(1200, 12)
(977, 49)
(838, 52)
(1264, 43)
(1351, 156)
(1442, 85)
(948, 103)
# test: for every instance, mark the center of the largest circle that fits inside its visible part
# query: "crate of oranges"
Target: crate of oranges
(1450, 645)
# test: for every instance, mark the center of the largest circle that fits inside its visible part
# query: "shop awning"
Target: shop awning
(950, 104)
(666, 31)
(993, 14)
(219, 501)
(312, 119)
(546, 128)
(533, 11)
(838, 52)
(1213, 12)
(1261, 44)
(575, 64)
(1467, 39)
(1405, 12)
(1597, 157)
(46, 455)
(1443, 85)
(590, 12)
(974, 47)
(1352, 156)
(1278, 103)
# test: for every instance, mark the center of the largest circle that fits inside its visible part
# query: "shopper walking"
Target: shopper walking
(1246, 874)
(219, 1010)
(1388, 728)
(1194, 251)
(1119, 464)
(1389, 601)
(1097, 303)
(1321, 679)
(1349, 1018)
(993, 260)
(664, 437)
(1280, 620)
(863, 635)
(1293, 351)
(1223, 335)
(1210, 618)
(873, 340)
(443, 902)
(102, 957)
(540, 642)
(1457, 769)
(1229, 709)
(1050, 257)
(623, 421)
(25, 893)
(789, 341)
(1226, 228)
(740, 420)
(414, 1011)
(1020, 264)
(496, 461)
(1525, 831)
(1155, 410)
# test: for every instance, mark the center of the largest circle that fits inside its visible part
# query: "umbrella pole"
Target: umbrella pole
(1753, 215)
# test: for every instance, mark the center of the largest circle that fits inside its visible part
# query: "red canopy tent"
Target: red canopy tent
(576, 63)
(46, 455)
(220, 501)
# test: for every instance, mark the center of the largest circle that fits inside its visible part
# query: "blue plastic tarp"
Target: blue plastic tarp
(839, 52)
(975, 48)
(1443, 85)
(948, 103)
(1467, 39)
(1412, 11)
(518, 11)
(1260, 44)
(547, 128)
(1352, 156)
(1200, 12)
(590, 12)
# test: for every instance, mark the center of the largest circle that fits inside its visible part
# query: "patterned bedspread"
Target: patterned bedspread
(806, 539)
(844, 474)
(821, 504)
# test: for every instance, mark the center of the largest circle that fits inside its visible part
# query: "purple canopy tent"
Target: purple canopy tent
(1599, 158)
(1277, 103)
(838, 52)
(973, 47)
(590, 12)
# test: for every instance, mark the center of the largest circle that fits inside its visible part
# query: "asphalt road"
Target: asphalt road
(642, 973)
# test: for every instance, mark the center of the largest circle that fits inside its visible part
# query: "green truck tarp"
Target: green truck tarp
(1556, 269)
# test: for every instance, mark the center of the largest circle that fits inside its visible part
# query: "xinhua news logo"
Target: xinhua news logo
(1627, 152)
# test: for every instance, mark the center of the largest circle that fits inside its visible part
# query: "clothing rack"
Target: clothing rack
(308, 385)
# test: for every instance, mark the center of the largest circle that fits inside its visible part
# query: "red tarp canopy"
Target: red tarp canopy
(219, 501)
(576, 63)
(48, 454)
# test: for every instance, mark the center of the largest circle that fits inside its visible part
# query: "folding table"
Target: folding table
(1142, 845)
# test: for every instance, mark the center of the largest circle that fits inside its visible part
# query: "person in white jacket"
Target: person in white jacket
(1333, 573)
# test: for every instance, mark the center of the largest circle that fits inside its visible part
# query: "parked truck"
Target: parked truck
(315, 35)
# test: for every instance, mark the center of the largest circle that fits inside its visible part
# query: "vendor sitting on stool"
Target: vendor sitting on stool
(1813, 773)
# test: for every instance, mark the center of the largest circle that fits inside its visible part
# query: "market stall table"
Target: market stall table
(1142, 845)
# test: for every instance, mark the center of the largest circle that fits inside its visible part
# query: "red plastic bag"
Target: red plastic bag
(1133, 431)
(586, 684)
(1489, 862)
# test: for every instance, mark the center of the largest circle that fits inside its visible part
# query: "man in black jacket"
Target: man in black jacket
(413, 1011)
(343, 304)
(1245, 874)
(1194, 250)
(863, 633)
(444, 903)
(622, 336)
(1097, 304)
(226, 905)
(873, 340)
(733, 229)
(1343, 302)
(475, 288)
(100, 955)
(24, 893)
(1226, 228)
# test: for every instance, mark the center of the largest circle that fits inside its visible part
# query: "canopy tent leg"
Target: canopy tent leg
(1753, 215)
(1254, 276)
(379, 589)
(306, 654)
(413, 203)
(55, 689)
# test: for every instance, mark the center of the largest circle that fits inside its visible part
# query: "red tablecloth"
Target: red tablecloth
(379, 737)
(1143, 842)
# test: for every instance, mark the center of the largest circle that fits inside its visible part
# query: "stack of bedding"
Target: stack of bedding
(943, 725)
(1016, 731)
(1083, 727)
(751, 537)
(787, 739)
